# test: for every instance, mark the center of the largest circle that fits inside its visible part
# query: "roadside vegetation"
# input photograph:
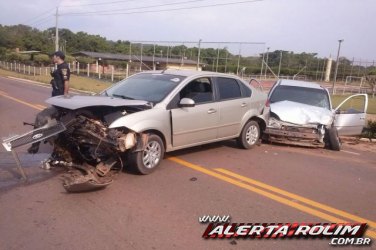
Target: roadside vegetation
(26, 38)
(76, 82)
(370, 130)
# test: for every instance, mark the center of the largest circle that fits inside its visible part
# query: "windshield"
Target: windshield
(309, 96)
(148, 87)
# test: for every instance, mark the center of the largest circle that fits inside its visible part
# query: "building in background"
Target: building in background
(104, 61)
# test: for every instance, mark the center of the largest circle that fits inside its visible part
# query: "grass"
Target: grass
(76, 82)
(356, 102)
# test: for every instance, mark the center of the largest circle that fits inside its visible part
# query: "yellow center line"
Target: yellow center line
(254, 189)
(269, 195)
(297, 197)
(38, 107)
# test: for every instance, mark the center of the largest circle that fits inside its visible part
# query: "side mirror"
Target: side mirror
(186, 103)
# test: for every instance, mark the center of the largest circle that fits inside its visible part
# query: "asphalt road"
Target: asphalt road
(267, 184)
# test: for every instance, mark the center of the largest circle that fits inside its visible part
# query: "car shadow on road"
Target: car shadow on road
(10, 177)
(206, 147)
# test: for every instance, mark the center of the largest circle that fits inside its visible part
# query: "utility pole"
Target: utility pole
(57, 30)
(280, 62)
(182, 52)
(153, 56)
(216, 66)
(226, 60)
(198, 56)
(317, 68)
(267, 60)
(240, 51)
(337, 63)
(168, 52)
(262, 63)
(130, 52)
(141, 57)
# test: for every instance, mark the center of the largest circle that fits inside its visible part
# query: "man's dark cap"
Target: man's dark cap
(60, 54)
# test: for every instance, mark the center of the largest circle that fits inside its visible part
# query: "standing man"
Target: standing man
(61, 75)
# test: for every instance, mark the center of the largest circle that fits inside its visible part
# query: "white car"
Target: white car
(301, 113)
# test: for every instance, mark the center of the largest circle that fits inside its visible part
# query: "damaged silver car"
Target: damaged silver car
(136, 121)
(301, 113)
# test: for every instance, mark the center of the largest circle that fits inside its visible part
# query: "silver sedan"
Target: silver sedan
(190, 108)
(140, 118)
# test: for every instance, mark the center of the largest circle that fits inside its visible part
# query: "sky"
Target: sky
(312, 26)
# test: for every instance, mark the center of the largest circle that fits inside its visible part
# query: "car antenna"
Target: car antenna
(164, 70)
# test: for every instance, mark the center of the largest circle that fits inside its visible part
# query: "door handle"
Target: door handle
(243, 105)
(211, 111)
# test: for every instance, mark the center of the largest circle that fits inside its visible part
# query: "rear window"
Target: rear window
(247, 92)
(228, 88)
(309, 96)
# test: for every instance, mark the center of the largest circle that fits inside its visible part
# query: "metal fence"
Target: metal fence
(110, 74)
(115, 73)
(24, 68)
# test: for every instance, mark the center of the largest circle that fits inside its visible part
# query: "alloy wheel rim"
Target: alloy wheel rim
(252, 135)
(152, 154)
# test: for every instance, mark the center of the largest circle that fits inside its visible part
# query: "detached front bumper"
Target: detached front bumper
(34, 136)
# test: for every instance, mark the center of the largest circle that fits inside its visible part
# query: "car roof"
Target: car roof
(302, 84)
(188, 73)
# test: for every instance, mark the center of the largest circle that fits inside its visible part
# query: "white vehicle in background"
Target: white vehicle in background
(301, 113)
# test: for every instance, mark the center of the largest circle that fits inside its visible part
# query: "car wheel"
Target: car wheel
(334, 142)
(147, 160)
(249, 135)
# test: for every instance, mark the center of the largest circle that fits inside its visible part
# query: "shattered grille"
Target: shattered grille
(301, 130)
(35, 135)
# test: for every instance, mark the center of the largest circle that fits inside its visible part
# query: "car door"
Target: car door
(232, 106)
(198, 124)
(350, 115)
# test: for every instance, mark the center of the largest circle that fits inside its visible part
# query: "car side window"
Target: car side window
(200, 90)
(246, 91)
(228, 88)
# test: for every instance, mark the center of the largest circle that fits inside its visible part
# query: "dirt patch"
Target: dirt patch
(362, 144)
(371, 117)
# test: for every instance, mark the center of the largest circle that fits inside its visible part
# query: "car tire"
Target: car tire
(334, 142)
(146, 161)
(250, 135)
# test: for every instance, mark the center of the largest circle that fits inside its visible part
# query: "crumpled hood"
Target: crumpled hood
(77, 101)
(302, 114)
